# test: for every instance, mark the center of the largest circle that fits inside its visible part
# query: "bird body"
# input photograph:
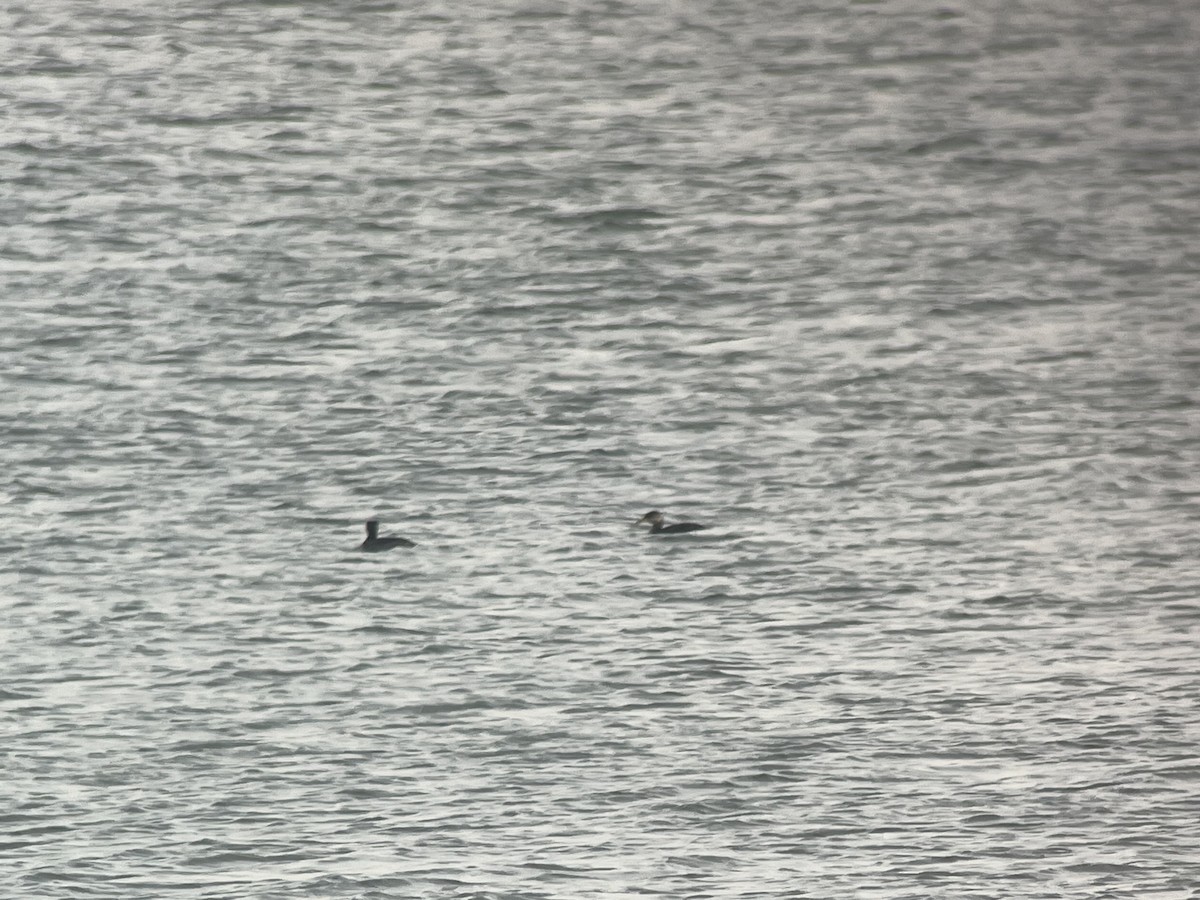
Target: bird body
(375, 542)
(655, 520)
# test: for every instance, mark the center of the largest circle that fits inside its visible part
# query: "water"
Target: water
(901, 299)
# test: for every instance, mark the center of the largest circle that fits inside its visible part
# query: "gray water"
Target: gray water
(899, 298)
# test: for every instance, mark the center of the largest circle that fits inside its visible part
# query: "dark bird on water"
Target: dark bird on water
(375, 542)
(655, 520)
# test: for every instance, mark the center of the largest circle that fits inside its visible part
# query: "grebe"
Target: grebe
(375, 542)
(655, 520)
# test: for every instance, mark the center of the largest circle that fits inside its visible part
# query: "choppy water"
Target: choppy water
(901, 298)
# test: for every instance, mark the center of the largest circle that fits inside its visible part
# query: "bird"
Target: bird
(655, 520)
(375, 542)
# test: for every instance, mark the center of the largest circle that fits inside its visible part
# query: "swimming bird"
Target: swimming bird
(375, 542)
(655, 520)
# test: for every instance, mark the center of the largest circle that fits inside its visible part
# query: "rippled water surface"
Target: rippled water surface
(900, 298)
